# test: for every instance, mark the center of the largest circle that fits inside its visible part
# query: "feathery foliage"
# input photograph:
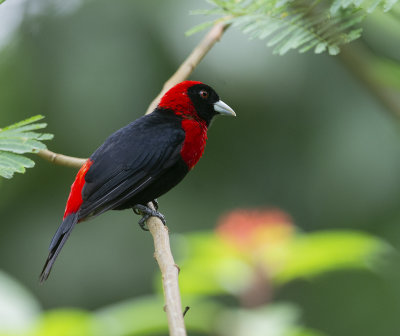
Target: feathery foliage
(18, 139)
(302, 24)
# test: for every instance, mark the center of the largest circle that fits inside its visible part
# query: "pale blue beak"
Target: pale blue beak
(222, 108)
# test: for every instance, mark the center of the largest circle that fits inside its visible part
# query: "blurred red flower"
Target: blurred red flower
(255, 229)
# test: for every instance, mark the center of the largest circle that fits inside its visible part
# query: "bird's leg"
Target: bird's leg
(155, 203)
(146, 213)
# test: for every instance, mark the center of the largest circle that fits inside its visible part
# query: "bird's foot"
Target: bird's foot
(146, 213)
(155, 203)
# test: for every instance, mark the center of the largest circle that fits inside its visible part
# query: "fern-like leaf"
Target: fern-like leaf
(367, 5)
(18, 139)
(302, 24)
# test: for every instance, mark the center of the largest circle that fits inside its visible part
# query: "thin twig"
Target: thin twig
(191, 62)
(163, 255)
(169, 271)
(186, 310)
(61, 159)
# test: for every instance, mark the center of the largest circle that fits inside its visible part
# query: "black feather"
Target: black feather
(135, 165)
(57, 243)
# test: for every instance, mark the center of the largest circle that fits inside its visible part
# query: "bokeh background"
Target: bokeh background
(309, 139)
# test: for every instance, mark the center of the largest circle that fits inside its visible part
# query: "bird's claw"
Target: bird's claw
(142, 222)
(146, 213)
(155, 203)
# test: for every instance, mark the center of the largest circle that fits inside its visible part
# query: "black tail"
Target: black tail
(57, 243)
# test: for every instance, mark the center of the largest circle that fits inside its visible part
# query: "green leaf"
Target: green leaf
(133, 317)
(20, 138)
(368, 5)
(321, 47)
(24, 122)
(20, 145)
(7, 172)
(319, 252)
(199, 27)
(18, 163)
(273, 319)
(300, 331)
(211, 266)
(66, 322)
(333, 50)
(389, 4)
(302, 24)
(145, 316)
(214, 267)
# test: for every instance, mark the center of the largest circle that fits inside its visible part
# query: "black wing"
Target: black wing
(129, 161)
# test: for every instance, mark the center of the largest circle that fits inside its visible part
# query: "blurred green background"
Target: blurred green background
(309, 139)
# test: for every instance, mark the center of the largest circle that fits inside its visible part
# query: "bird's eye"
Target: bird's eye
(204, 94)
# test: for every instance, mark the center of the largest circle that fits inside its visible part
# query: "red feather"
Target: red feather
(75, 196)
(141, 161)
(195, 141)
(177, 99)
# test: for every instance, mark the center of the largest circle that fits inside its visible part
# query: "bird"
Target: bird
(141, 161)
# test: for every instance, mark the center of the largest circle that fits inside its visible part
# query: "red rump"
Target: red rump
(75, 196)
(177, 99)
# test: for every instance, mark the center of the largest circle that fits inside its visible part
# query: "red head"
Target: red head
(195, 100)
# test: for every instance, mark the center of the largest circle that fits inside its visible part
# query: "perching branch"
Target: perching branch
(61, 159)
(163, 254)
(169, 271)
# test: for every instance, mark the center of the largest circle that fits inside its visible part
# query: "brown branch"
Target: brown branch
(61, 159)
(163, 255)
(192, 61)
(169, 271)
(360, 61)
